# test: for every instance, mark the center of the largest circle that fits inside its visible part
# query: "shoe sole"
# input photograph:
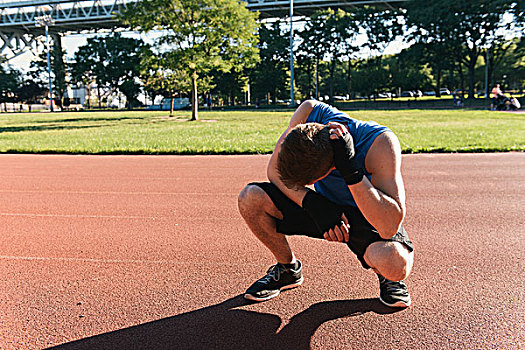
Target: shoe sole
(271, 296)
(397, 303)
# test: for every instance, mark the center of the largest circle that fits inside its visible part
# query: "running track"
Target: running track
(149, 252)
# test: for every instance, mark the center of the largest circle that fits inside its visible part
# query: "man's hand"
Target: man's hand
(343, 146)
(339, 233)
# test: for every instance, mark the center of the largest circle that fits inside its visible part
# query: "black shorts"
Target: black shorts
(296, 221)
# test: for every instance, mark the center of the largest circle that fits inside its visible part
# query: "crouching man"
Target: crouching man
(359, 200)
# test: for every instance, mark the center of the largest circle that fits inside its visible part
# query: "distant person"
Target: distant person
(497, 96)
(359, 199)
(458, 100)
(496, 91)
(512, 104)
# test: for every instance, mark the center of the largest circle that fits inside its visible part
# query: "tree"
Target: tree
(507, 64)
(112, 61)
(467, 27)
(29, 91)
(314, 43)
(152, 77)
(163, 75)
(9, 80)
(270, 74)
(304, 80)
(407, 70)
(341, 30)
(371, 77)
(330, 35)
(231, 85)
(39, 70)
(125, 56)
(205, 34)
(90, 65)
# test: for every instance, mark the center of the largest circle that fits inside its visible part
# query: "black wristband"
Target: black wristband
(353, 178)
(323, 212)
(344, 159)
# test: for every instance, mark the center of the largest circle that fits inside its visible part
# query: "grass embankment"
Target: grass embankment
(242, 132)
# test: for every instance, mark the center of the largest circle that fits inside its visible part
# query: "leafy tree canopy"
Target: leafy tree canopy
(111, 61)
(466, 26)
(9, 81)
(202, 34)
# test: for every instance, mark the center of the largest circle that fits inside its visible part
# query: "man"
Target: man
(496, 91)
(497, 97)
(359, 199)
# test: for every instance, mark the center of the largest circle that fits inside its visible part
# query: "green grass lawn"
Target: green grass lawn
(244, 131)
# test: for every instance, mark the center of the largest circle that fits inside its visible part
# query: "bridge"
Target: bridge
(19, 32)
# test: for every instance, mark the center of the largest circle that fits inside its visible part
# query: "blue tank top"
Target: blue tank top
(333, 186)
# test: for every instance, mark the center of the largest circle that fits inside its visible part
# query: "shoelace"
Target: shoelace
(274, 272)
(392, 286)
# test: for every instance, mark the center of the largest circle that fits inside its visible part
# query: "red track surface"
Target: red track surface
(133, 252)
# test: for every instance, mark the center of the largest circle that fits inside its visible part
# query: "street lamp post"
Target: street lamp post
(45, 21)
(487, 74)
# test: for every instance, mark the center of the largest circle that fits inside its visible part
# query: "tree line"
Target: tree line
(216, 51)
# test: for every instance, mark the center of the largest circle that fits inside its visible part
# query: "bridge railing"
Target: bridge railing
(62, 12)
(17, 18)
(22, 13)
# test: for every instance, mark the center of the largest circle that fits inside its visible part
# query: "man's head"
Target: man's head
(306, 155)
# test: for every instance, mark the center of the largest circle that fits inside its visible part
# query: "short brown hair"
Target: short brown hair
(306, 155)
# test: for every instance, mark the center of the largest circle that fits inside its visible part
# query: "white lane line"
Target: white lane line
(160, 217)
(157, 262)
(127, 193)
(79, 216)
(91, 260)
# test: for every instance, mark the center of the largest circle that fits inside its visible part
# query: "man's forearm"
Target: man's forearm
(299, 116)
(382, 211)
(296, 195)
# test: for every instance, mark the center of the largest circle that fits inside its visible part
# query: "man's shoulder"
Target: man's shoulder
(386, 141)
(385, 149)
(324, 113)
(310, 103)
(302, 113)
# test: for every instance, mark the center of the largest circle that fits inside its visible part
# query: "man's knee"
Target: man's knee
(390, 259)
(251, 198)
(246, 197)
(255, 205)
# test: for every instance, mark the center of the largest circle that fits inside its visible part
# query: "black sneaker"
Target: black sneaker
(393, 294)
(278, 278)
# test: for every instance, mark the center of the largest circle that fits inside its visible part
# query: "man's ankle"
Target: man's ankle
(294, 265)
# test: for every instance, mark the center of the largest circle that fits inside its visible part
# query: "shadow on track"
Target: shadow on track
(63, 124)
(222, 326)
